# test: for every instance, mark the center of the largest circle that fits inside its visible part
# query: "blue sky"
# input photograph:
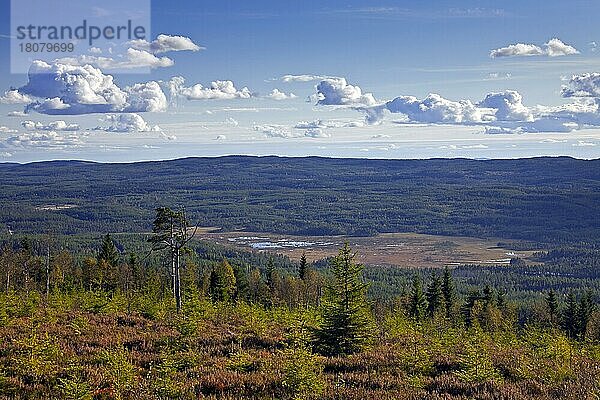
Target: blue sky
(388, 48)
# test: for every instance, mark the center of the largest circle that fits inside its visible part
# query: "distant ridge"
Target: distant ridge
(544, 199)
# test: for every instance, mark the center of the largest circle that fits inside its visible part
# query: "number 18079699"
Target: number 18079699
(46, 47)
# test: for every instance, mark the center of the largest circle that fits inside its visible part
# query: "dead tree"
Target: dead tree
(171, 233)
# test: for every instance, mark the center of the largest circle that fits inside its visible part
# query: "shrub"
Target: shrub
(476, 363)
(163, 381)
(119, 371)
(74, 389)
(240, 361)
(37, 359)
(302, 373)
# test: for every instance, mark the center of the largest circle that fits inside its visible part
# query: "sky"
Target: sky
(376, 79)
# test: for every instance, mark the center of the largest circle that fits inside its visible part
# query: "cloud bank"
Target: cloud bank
(498, 113)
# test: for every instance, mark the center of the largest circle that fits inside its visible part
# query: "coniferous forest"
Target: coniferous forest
(123, 302)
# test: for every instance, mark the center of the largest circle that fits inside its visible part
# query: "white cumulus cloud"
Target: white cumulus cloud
(519, 49)
(436, 109)
(283, 131)
(48, 139)
(583, 85)
(336, 91)
(324, 124)
(13, 96)
(216, 90)
(71, 89)
(556, 47)
(553, 48)
(276, 94)
(133, 58)
(127, 122)
(499, 113)
(582, 143)
(508, 105)
(16, 114)
(165, 43)
(304, 78)
(274, 130)
(51, 126)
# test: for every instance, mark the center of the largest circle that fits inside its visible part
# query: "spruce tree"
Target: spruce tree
(222, 282)
(270, 273)
(137, 272)
(242, 287)
(585, 310)
(435, 296)
(448, 292)
(108, 262)
(488, 296)
(417, 308)
(108, 251)
(552, 305)
(570, 318)
(501, 300)
(347, 321)
(474, 297)
(303, 267)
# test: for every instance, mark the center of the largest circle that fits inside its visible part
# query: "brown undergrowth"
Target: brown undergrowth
(69, 348)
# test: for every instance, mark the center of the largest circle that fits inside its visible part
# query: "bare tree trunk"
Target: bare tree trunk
(48, 269)
(26, 273)
(173, 271)
(178, 283)
(173, 249)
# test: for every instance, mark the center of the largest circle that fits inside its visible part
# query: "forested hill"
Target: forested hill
(541, 199)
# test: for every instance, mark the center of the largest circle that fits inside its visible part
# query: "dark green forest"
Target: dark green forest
(547, 200)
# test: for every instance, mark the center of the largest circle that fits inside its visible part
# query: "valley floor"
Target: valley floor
(412, 250)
